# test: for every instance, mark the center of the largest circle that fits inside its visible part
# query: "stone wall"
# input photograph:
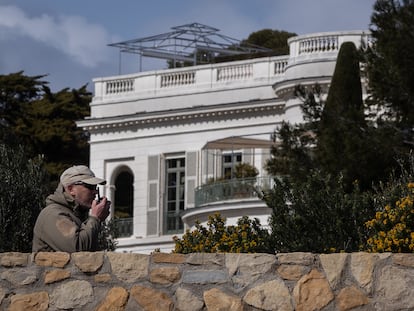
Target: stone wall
(127, 281)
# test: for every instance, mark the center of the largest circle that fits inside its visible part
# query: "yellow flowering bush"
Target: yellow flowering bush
(246, 237)
(392, 229)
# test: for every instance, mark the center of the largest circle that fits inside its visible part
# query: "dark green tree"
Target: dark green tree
(17, 92)
(276, 40)
(341, 143)
(44, 122)
(52, 125)
(23, 189)
(389, 62)
(317, 215)
(292, 154)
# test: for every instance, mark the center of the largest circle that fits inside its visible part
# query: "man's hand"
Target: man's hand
(101, 210)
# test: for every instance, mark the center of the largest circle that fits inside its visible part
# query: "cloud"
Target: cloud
(72, 35)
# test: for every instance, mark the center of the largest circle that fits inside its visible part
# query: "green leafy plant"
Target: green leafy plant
(245, 170)
(23, 189)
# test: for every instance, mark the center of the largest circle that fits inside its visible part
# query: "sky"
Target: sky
(68, 40)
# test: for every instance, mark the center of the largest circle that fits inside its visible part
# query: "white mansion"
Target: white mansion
(158, 137)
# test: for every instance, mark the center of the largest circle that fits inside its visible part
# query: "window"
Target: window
(175, 190)
(124, 202)
(229, 162)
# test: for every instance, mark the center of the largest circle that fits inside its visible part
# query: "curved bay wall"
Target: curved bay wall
(286, 281)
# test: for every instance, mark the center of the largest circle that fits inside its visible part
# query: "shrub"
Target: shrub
(246, 237)
(393, 228)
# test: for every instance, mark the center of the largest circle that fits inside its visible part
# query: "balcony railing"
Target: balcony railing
(232, 189)
(316, 45)
(319, 44)
(203, 76)
(124, 227)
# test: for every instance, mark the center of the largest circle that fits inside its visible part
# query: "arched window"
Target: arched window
(124, 203)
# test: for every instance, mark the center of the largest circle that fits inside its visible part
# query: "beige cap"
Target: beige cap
(80, 173)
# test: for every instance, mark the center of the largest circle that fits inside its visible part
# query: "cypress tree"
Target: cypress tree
(340, 146)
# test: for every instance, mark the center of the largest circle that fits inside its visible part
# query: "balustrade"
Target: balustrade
(177, 79)
(280, 66)
(319, 44)
(238, 72)
(119, 86)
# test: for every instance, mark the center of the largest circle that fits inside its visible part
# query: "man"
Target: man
(71, 220)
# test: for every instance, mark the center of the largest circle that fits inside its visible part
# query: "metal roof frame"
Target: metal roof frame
(184, 43)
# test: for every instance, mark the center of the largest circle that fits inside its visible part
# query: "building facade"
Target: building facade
(161, 137)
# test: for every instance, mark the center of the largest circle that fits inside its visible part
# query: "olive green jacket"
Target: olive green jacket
(63, 226)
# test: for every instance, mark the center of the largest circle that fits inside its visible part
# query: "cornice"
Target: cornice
(185, 116)
(285, 89)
